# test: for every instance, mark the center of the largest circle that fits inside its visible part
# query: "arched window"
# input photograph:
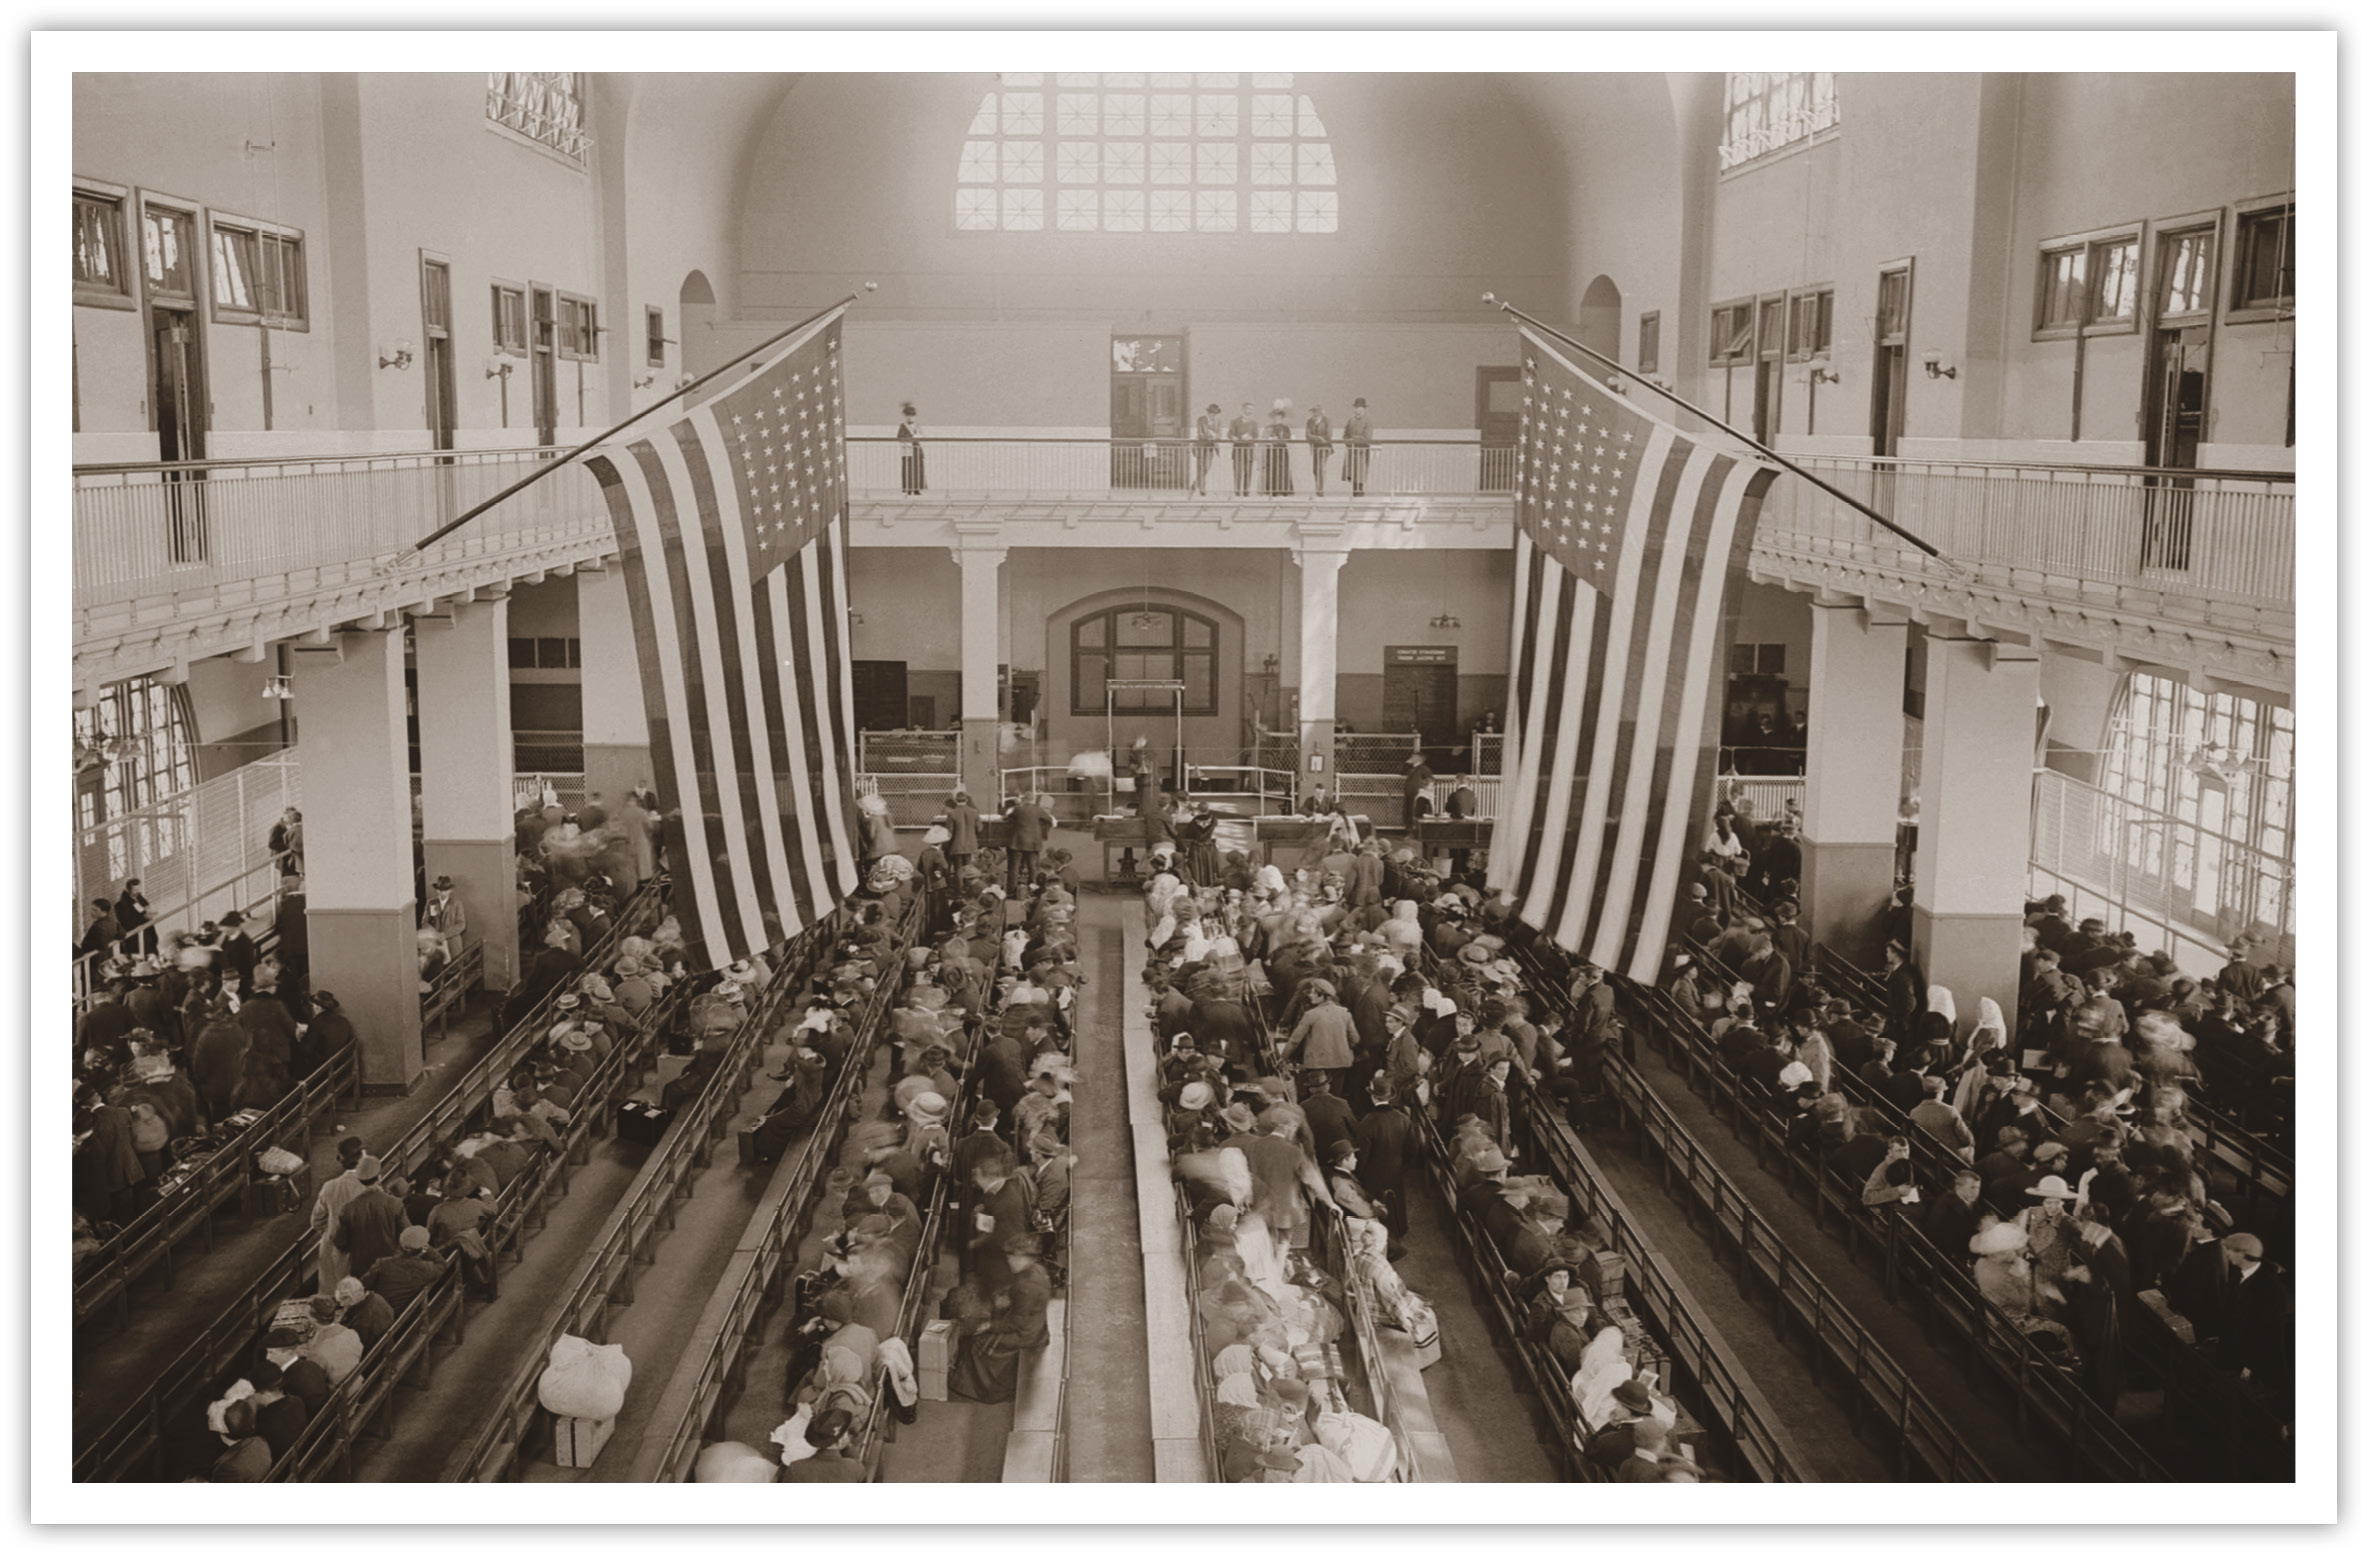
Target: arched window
(133, 750)
(1142, 642)
(1767, 111)
(1146, 153)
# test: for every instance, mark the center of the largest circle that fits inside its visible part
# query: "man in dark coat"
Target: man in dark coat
(412, 1269)
(1385, 1143)
(238, 954)
(370, 1226)
(2256, 1325)
(1330, 1119)
(1028, 827)
(330, 1034)
(1244, 433)
(962, 822)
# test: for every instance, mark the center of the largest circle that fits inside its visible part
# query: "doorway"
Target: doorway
(1767, 374)
(2176, 403)
(1147, 421)
(1598, 318)
(1497, 399)
(179, 395)
(546, 368)
(1418, 696)
(435, 318)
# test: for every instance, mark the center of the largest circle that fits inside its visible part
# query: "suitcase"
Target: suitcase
(576, 1443)
(763, 1141)
(642, 1123)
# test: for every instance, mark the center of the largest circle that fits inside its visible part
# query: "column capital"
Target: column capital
(967, 552)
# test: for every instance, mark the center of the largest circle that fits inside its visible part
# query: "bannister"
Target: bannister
(1103, 469)
(2205, 535)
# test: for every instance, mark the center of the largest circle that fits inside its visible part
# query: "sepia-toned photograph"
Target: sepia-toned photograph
(1464, 764)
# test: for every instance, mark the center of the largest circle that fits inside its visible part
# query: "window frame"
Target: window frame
(192, 212)
(2089, 244)
(2235, 276)
(653, 336)
(2159, 235)
(100, 294)
(1820, 345)
(516, 289)
(589, 333)
(1176, 654)
(1648, 343)
(266, 236)
(1747, 349)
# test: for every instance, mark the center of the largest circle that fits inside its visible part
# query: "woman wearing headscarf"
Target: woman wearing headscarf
(1937, 1029)
(1984, 1049)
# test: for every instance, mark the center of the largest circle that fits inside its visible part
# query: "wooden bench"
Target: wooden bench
(1032, 1455)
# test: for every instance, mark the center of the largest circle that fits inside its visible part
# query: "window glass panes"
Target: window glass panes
(1105, 143)
(2062, 280)
(2264, 248)
(2185, 262)
(2116, 280)
(98, 235)
(234, 267)
(1767, 111)
(164, 243)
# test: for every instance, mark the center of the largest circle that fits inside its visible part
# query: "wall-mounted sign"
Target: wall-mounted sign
(1421, 655)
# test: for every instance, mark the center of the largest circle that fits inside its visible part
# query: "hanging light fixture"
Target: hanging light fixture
(86, 756)
(278, 689)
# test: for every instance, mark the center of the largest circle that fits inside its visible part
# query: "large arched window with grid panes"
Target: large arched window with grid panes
(1146, 153)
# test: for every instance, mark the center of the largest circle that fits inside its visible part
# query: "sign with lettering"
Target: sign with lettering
(1421, 655)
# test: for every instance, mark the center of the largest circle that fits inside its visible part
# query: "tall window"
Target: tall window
(1143, 642)
(1812, 325)
(1767, 112)
(1648, 344)
(543, 105)
(2088, 283)
(258, 272)
(509, 318)
(579, 328)
(1146, 153)
(654, 343)
(2209, 779)
(1730, 332)
(134, 748)
(2264, 260)
(98, 245)
(2182, 261)
(164, 249)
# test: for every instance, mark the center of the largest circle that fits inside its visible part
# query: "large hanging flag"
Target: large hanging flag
(1631, 542)
(730, 520)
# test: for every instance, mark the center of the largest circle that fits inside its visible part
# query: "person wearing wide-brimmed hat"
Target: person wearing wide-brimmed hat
(987, 1369)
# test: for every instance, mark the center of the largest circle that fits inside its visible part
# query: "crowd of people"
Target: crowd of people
(2075, 1185)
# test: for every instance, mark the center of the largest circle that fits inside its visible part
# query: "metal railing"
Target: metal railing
(2039, 1387)
(102, 1282)
(254, 892)
(282, 527)
(1153, 468)
(2225, 536)
(670, 1447)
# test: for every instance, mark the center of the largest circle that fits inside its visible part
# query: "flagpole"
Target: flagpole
(1915, 540)
(410, 553)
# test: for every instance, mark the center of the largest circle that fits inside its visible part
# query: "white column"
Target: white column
(616, 727)
(1972, 849)
(1319, 662)
(1857, 679)
(982, 646)
(362, 911)
(465, 762)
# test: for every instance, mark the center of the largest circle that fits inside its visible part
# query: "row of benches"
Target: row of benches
(126, 1448)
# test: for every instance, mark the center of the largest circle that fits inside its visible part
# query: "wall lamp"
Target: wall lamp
(1445, 623)
(644, 380)
(278, 689)
(499, 367)
(1933, 369)
(686, 380)
(1822, 374)
(396, 354)
(854, 618)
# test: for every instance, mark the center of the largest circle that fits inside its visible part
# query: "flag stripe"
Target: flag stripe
(808, 888)
(712, 722)
(1647, 514)
(824, 693)
(1675, 471)
(1690, 777)
(1580, 722)
(1554, 658)
(736, 600)
(649, 589)
(812, 713)
(842, 689)
(1525, 745)
(1507, 772)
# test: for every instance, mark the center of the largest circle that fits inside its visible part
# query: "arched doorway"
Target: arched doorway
(1144, 633)
(1598, 317)
(698, 325)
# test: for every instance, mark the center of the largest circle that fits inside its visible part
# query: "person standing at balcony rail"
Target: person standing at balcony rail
(1359, 437)
(1207, 432)
(1318, 442)
(1278, 451)
(131, 916)
(286, 841)
(1243, 432)
(915, 460)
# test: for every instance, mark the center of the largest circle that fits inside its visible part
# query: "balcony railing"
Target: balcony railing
(1123, 469)
(291, 525)
(2203, 536)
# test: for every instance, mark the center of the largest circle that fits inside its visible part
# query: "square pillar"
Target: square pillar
(465, 763)
(616, 727)
(982, 648)
(1972, 849)
(1857, 726)
(1319, 665)
(361, 909)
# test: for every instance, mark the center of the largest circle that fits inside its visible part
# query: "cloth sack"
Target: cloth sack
(1319, 1465)
(585, 1381)
(789, 1436)
(1362, 1443)
(278, 1162)
(733, 1463)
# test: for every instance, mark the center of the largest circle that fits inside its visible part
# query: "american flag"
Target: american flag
(1631, 542)
(728, 518)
